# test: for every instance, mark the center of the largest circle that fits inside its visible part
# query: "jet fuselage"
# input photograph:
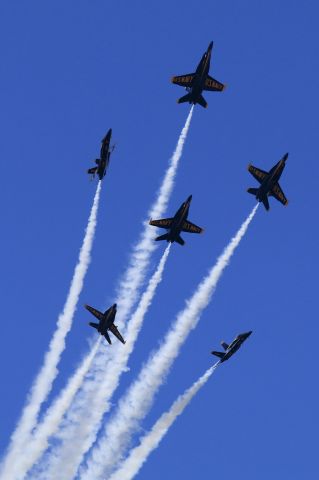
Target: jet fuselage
(201, 74)
(107, 320)
(178, 220)
(272, 178)
(105, 154)
(232, 348)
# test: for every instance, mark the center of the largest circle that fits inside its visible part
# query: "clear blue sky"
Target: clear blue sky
(69, 71)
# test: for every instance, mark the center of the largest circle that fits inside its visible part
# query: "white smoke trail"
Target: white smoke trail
(134, 276)
(49, 371)
(71, 457)
(53, 416)
(92, 396)
(138, 400)
(138, 455)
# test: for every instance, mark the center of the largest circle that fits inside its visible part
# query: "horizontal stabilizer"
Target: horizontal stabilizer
(253, 191)
(201, 100)
(92, 171)
(224, 345)
(94, 325)
(186, 98)
(106, 335)
(218, 354)
(266, 202)
(162, 237)
(180, 240)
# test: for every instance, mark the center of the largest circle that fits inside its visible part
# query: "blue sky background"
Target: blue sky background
(69, 71)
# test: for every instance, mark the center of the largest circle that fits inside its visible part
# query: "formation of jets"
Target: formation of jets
(195, 83)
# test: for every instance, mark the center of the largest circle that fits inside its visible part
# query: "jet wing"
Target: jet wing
(114, 330)
(108, 310)
(213, 85)
(184, 80)
(279, 195)
(92, 170)
(257, 173)
(96, 313)
(163, 223)
(191, 227)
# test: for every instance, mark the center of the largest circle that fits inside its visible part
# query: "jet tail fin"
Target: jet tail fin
(201, 100)
(186, 98)
(97, 161)
(162, 237)
(94, 325)
(253, 191)
(224, 345)
(218, 354)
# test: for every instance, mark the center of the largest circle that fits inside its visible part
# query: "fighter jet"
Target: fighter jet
(106, 322)
(177, 224)
(196, 82)
(269, 183)
(232, 348)
(103, 161)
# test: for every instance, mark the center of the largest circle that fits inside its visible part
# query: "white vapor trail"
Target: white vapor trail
(138, 455)
(92, 399)
(49, 371)
(136, 271)
(53, 416)
(138, 400)
(71, 457)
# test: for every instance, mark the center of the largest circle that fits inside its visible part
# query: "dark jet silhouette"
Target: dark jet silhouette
(269, 183)
(103, 162)
(177, 224)
(106, 322)
(232, 348)
(196, 82)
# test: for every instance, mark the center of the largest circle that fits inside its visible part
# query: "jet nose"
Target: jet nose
(249, 333)
(285, 157)
(210, 46)
(189, 199)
